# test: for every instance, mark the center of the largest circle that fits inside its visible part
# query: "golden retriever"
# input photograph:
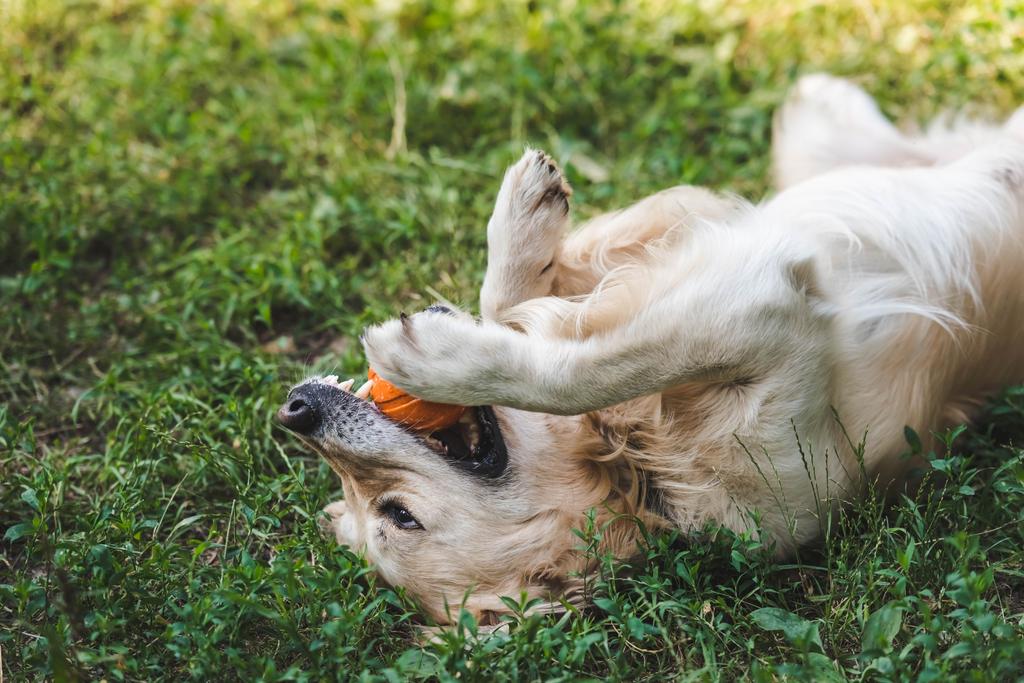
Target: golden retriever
(690, 359)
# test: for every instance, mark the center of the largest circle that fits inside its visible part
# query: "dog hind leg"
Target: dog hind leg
(827, 123)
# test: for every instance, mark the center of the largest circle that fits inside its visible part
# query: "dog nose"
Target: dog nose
(298, 416)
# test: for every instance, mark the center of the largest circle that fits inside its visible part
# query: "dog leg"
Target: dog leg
(737, 317)
(530, 256)
(827, 123)
(524, 234)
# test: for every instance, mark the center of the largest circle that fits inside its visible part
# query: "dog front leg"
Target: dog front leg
(524, 234)
(723, 325)
(530, 256)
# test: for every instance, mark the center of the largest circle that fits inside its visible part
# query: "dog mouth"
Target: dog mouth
(474, 443)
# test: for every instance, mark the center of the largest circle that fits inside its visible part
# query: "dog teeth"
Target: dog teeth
(472, 435)
(332, 381)
(363, 392)
(470, 428)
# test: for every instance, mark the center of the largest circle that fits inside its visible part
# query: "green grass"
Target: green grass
(199, 205)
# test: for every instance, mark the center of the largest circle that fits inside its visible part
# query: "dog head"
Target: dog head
(460, 517)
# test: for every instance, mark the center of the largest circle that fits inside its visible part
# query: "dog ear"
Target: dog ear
(803, 275)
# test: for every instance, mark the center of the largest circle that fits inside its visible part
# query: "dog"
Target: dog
(691, 359)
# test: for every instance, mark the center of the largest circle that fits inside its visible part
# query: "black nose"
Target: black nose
(298, 416)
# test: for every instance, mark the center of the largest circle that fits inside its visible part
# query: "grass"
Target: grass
(200, 203)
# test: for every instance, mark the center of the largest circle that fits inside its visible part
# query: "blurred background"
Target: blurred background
(295, 163)
(200, 202)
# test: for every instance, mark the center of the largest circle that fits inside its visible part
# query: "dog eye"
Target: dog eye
(402, 518)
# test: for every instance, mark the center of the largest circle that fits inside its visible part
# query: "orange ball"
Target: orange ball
(409, 410)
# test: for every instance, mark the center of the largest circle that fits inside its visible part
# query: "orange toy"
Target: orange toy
(409, 410)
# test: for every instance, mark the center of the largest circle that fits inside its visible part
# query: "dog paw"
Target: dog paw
(532, 205)
(538, 184)
(331, 521)
(533, 201)
(524, 234)
(431, 355)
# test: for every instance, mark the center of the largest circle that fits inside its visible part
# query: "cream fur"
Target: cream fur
(683, 345)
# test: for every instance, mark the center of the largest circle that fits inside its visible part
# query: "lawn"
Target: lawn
(201, 203)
